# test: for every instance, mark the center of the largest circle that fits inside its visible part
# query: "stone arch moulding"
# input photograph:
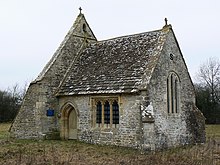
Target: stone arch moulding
(175, 73)
(69, 121)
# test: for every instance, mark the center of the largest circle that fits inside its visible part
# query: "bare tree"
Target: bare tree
(17, 92)
(208, 90)
(209, 77)
(10, 102)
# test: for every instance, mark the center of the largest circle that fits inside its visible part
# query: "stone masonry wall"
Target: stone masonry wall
(171, 129)
(31, 121)
(128, 132)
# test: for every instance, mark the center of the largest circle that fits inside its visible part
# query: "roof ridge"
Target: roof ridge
(130, 35)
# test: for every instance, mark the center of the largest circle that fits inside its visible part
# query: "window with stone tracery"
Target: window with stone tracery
(106, 112)
(173, 93)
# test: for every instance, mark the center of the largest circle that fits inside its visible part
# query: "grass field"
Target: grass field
(213, 131)
(28, 152)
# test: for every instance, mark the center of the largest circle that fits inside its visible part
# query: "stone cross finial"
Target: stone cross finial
(80, 10)
(166, 21)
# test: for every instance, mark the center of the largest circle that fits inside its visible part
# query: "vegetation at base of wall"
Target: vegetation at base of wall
(53, 135)
(38, 152)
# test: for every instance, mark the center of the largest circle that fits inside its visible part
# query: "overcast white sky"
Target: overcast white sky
(31, 30)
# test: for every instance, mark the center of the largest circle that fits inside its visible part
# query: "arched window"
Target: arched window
(99, 113)
(173, 92)
(84, 28)
(107, 113)
(176, 95)
(115, 111)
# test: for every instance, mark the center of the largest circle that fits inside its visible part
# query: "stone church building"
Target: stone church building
(132, 91)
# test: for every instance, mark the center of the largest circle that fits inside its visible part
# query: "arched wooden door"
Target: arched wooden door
(72, 125)
(69, 123)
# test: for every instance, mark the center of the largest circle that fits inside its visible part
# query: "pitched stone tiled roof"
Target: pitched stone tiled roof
(119, 65)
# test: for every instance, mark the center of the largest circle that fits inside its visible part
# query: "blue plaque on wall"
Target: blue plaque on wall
(50, 112)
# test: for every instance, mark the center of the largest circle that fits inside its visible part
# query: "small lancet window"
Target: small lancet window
(176, 95)
(168, 95)
(173, 93)
(84, 28)
(99, 113)
(107, 113)
(115, 110)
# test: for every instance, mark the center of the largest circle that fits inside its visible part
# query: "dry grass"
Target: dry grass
(30, 152)
(213, 131)
(4, 127)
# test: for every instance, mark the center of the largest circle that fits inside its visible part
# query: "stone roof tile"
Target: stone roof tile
(114, 66)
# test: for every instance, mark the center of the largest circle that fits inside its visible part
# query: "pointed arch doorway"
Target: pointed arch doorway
(69, 118)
